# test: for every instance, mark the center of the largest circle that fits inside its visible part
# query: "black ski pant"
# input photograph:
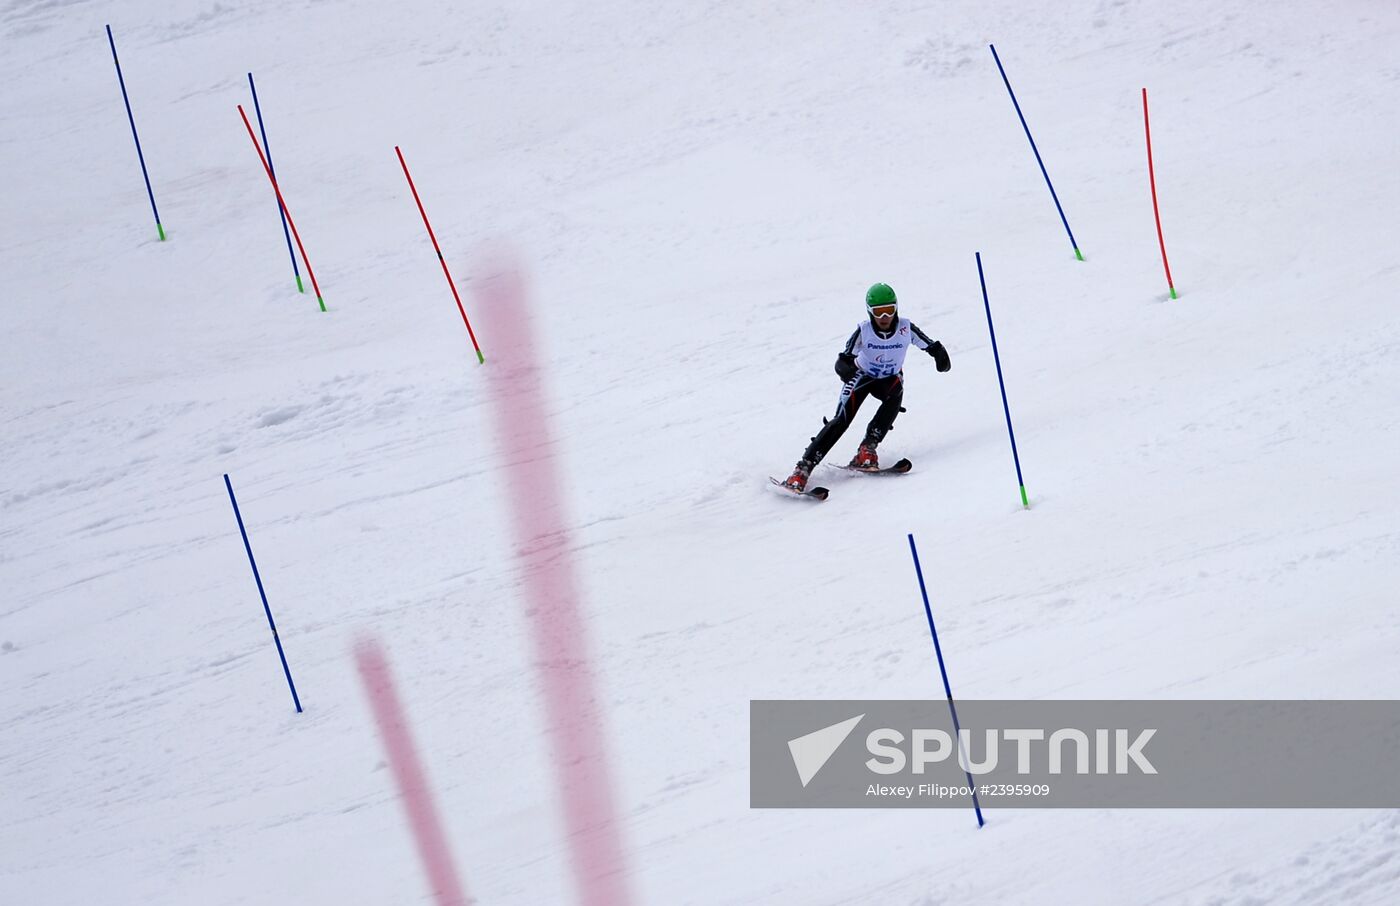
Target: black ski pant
(889, 391)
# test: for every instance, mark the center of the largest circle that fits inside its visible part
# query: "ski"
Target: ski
(898, 468)
(814, 493)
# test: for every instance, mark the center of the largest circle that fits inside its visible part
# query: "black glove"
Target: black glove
(940, 356)
(846, 367)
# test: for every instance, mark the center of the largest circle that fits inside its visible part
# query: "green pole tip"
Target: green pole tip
(1024, 501)
(321, 302)
(480, 359)
(160, 229)
(1078, 254)
(1173, 291)
(300, 288)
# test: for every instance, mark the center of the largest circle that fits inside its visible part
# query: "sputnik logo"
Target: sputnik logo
(811, 752)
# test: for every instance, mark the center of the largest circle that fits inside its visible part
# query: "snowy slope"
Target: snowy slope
(701, 194)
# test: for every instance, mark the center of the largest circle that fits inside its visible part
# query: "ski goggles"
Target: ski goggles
(883, 311)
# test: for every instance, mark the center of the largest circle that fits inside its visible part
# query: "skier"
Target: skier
(872, 364)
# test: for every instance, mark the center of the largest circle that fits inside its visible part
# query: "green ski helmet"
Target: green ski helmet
(879, 295)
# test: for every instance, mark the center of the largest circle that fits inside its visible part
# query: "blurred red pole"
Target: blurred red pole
(558, 625)
(408, 774)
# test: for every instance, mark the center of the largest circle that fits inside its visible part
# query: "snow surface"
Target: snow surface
(702, 192)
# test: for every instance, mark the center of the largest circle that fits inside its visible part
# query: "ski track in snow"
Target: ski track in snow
(702, 193)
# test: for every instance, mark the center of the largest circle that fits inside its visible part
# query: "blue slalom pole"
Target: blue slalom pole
(1015, 457)
(1036, 151)
(948, 690)
(139, 156)
(257, 578)
(267, 150)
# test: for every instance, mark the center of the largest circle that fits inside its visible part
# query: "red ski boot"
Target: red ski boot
(797, 481)
(865, 458)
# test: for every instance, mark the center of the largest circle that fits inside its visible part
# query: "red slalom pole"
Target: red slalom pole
(409, 775)
(268, 170)
(480, 359)
(1152, 179)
